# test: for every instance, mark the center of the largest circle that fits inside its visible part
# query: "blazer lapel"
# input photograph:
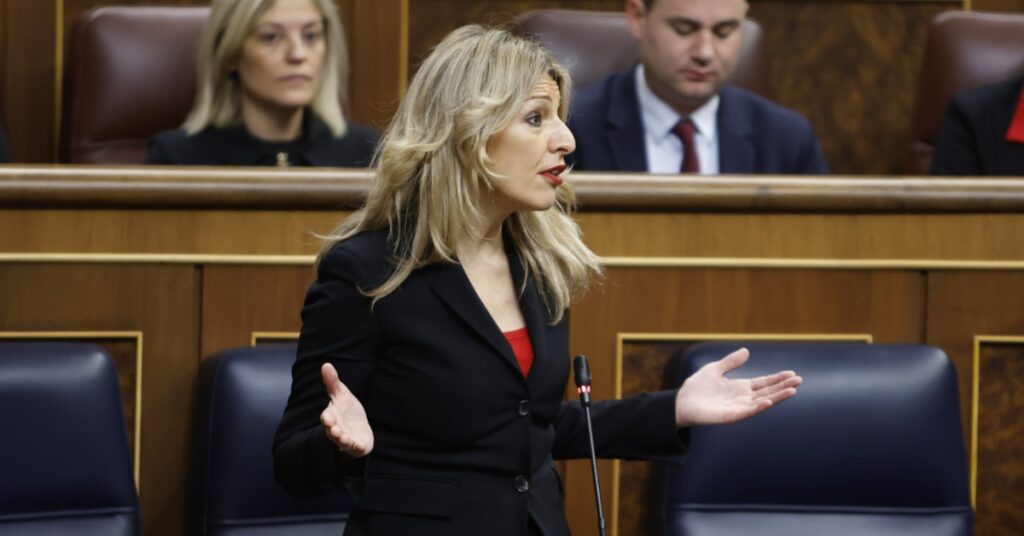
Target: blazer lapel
(625, 128)
(452, 286)
(736, 153)
(534, 312)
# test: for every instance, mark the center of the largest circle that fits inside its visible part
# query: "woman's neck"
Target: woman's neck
(271, 123)
(481, 241)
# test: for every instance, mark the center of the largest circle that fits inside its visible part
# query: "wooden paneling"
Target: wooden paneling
(1012, 6)
(1000, 470)
(28, 79)
(376, 50)
(241, 300)
(730, 255)
(851, 68)
(887, 305)
(161, 302)
(962, 306)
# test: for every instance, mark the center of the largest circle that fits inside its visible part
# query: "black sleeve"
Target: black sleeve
(5, 154)
(337, 327)
(956, 147)
(363, 143)
(158, 154)
(638, 427)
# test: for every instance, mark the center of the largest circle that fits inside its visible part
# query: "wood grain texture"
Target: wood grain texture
(28, 79)
(297, 188)
(1000, 497)
(851, 69)
(962, 306)
(375, 37)
(160, 301)
(1010, 6)
(889, 305)
(240, 300)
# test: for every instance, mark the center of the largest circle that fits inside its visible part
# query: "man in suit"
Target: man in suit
(675, 112)
(983, 132)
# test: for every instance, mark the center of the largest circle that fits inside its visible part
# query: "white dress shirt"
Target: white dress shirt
(664, 148)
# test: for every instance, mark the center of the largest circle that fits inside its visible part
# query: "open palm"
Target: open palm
(708, 397)
(344, 419)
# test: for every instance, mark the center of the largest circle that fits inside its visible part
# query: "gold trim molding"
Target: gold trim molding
(258, 337)
(623, 338)
(91, 336)
(979, 340)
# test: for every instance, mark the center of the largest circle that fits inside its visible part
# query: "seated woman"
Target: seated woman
(983, 132)
(268, 82)
(434, 350)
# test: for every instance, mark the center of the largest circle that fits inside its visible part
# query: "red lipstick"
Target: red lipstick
(552, 175)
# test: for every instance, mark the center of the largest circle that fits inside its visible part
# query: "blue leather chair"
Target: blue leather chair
(871, 444)
(242, 397)
(65, 466)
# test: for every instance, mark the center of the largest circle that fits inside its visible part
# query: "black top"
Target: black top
(463, 442)
(5, 155)
(972, 140)
(235, 146)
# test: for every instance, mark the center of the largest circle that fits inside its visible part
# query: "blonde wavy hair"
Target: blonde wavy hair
(218, 95)
(432, 165)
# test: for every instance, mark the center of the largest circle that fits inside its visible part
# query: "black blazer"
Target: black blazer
(755, 135)
(972, 140)
(464, 444)
(234, 146)
(5, 155)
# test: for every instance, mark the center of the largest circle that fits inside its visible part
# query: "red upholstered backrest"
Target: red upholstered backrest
(964, 50)
(131, 73)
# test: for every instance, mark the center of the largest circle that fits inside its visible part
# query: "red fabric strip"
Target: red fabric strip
(1016, 132)
(519, 339)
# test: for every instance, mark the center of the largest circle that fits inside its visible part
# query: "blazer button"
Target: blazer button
(524, 408)
(522, 484)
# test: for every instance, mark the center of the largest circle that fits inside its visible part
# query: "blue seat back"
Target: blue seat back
(243, 393)
(871, 444)
(65, 465)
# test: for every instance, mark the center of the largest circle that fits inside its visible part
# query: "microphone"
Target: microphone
(582, 373)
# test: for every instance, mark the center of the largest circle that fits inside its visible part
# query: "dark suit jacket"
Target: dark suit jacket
(5, 155)
(464, 444)
(972, 140)
(755, 135)
(234, 146)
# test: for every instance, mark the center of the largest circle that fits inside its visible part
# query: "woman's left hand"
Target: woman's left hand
(708, 397)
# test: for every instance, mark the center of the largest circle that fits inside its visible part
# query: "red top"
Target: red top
(1016, 132)
(522, 348)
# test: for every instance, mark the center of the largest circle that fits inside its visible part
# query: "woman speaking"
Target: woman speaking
(434, 348)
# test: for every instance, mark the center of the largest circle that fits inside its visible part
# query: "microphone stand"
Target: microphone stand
(583, 379)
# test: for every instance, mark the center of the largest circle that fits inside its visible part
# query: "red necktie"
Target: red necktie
(685, 129)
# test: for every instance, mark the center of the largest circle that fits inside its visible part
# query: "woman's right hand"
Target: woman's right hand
(345, 419)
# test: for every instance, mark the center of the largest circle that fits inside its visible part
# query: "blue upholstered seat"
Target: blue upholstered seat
(65, 465)
(242, 397)
(871, 444)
